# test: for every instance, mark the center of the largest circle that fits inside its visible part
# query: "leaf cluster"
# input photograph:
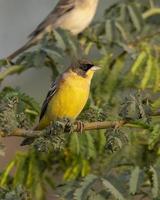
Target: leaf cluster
(20, 103)
(17, 194)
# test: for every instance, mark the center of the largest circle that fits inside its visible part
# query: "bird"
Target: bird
(71, 15)
(67, 95)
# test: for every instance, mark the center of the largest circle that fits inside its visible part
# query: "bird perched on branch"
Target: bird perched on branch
(67, 95)
(71, 15)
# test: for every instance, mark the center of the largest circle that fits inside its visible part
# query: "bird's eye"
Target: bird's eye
(86, 67)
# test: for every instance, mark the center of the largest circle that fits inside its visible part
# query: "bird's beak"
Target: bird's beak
(95, 68)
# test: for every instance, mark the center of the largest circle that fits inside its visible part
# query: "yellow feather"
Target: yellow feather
(70, 98)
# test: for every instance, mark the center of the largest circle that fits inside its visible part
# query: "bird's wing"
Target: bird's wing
(61, 8)
(51, 92)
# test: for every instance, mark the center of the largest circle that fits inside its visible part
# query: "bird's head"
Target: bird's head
(85, 69)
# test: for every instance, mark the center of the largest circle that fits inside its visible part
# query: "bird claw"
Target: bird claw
(80, 126)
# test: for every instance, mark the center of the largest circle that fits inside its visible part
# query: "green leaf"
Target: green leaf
(133, 183)
(50, 182)
(74, 170)
(34, 106)
(148, 72)
(74, 144)
(121, 30)
(72, 45)
(154, 137)
(139, 62)
(85, 186)
(123, 12)
(5, 175)
(22, 162)
(54, 53)
(110, 30)
(39, 191)
(112, 190)
(157, 74)
(60, 40)
(91, 150)
(155, 183)
(136, 17)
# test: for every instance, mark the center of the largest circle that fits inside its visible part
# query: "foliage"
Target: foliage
(17, 194)
(120, 162)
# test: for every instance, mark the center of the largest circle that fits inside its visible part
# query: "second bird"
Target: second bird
(71, 15)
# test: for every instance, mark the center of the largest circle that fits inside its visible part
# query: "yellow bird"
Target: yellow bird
(68, 94)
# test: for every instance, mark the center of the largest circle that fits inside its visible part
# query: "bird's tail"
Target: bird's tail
(29, 140)
(29, 44)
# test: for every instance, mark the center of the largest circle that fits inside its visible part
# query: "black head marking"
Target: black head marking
(85, 66)
(81, 67)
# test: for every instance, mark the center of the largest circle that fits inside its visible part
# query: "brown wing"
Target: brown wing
(61, 8)
(50, 94)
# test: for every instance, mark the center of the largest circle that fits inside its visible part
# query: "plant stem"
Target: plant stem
(11, 70)
(151, 12)
(86, 126)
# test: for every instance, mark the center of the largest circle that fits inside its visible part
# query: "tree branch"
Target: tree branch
(76, 128)
(11, 70)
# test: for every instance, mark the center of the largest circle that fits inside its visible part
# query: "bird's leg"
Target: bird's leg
(69, 128)
(80, 126)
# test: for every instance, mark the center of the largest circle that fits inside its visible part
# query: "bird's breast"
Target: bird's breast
(78, 19)
(69, 100)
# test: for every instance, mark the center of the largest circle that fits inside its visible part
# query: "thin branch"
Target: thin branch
(102, 125)
(156, 114)
(76, 128)
(11, 70)
(80, 126)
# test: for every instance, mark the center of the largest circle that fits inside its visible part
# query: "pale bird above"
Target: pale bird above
(71, 15)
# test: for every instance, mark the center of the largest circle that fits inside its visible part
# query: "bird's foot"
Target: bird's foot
(69, 126)
(80, 126)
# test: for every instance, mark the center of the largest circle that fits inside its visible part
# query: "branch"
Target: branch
(84, 127)
(11, 70)
(76, 128)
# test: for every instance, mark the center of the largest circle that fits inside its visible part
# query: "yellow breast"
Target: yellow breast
(68, 101)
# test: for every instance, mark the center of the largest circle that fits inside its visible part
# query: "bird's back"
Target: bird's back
(72, 15)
